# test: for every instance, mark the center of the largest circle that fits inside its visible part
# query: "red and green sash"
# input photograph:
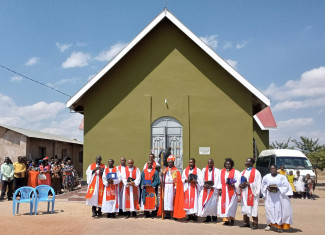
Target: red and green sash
(111, 189)
(207, 197)
(250, 196)
(190, 196)
(150, 202)
(91, 187)
(224, 186)
(135, 190)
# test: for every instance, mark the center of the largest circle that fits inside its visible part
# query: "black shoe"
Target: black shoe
(189, 217)
(146, 214)
(93, 210)
(2, 199)
(108, 215)
(113, 215)
(214, 219)
(245, 225)
(207, 219)
(231, 223)
(99, 212)
(255, 226)
(127, 215)
(9, 199)
(226, 223)
(194, 218)
(134, 214)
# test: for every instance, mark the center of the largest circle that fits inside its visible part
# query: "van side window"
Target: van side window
(272, 161)
(263, 162)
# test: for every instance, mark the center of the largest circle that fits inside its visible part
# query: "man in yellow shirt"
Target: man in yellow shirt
(19, 173)
(282, 171)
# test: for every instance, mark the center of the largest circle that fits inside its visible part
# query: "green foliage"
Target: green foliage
(317, 159)
(307, 145)
(281, 145)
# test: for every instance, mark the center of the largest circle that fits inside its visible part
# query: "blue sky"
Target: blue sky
(278, 46)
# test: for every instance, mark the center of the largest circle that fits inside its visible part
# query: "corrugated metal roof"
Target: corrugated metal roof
(41, 135)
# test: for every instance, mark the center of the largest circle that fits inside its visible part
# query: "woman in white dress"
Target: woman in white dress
(276, 189)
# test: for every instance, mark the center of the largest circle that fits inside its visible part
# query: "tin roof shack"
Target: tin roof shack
(16, 142)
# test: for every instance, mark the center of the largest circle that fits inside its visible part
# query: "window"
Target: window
(42, 152)
(81, 156)
(263, 162)
(294, 163)
(64, 153)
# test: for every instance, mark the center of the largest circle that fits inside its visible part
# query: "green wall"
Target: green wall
(261, 137)
(214, 109)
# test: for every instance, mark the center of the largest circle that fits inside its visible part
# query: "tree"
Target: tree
(281, 145)
(307, 145)
(313, 150)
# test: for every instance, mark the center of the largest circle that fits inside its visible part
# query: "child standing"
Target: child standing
(309, 183)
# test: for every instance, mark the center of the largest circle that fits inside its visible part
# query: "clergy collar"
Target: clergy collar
(249, 168)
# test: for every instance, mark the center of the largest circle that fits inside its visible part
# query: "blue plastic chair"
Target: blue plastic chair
(42, 195)
(27, 195)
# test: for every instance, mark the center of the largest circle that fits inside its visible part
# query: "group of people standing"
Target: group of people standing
(59, 174)
(208, 193)
(302, 187)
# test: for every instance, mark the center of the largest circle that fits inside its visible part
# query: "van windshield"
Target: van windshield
(293, 163)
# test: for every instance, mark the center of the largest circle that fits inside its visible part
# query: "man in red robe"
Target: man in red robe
(173, 192)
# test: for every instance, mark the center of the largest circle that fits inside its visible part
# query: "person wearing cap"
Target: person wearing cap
(193, 183)
(173, 195)
(95, 190)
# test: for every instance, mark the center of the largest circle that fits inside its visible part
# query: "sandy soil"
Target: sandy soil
(75, 218)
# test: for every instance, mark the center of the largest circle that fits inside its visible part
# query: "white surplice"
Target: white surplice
(299, 184)
(136, 183)
(211, 206)
(198, 188)
(121, 188)
(231, 205)
(93, 201)
(256, 190)
(169, 192)
(277, 205)
(110, 206)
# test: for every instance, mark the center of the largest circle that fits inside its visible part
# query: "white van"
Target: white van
(291, 159)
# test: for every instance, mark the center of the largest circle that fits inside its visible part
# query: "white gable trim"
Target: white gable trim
(191, 35)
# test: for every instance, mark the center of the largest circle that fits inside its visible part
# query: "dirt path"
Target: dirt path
(75, 218)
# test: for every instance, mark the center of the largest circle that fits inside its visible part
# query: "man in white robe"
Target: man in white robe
(208, 199)
(250, 185)
(276, 190)
(121, 169)
(131, 179)
(192, 188)
(95, 188)
(228, 187)
(111, 193)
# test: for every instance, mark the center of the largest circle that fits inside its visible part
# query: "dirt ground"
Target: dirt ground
(75, 218)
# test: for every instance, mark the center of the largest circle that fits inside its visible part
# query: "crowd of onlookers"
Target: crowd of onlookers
(57, 173)
(302, 187)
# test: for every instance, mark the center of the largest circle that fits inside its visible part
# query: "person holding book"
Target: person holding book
(95, 190)
(111, 180)
(172, 199)
(208, 199)
(250, 185)
(121, 169)
(228, 187)
(131, 180)
(276, 189)
(193, 183)
(149, 182)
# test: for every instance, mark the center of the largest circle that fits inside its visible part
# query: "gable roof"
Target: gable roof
(265, 119)
(166, 14)
(41, 135)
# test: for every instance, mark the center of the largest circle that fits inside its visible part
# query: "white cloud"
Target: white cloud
(52, 117)
(308, 91)
(227, 45)
(241, 45)
(76, 59)
(32, 61)
(63, 47)
(295, 123)
(107, 55)
(64, 81)
(232, 63)
(16, 79)
(81, 44)
(211, 41)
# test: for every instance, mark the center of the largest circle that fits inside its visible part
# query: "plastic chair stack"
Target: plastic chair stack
(42, 192)
(27, 195)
